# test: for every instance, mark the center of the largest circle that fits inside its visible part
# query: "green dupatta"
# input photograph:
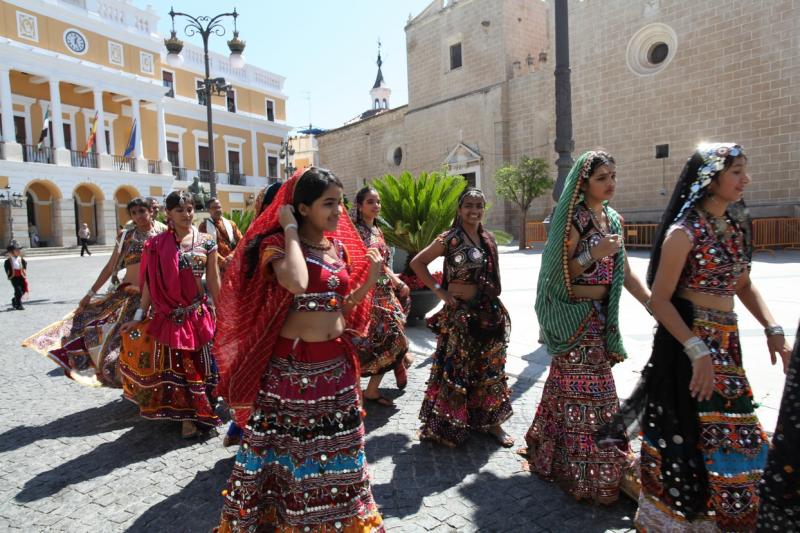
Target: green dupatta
(562, 317)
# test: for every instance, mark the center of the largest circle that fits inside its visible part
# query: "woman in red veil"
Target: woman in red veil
(295, 291)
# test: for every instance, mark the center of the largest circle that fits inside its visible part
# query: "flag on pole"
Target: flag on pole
(45, 128)
(92, 135)
(131, 141)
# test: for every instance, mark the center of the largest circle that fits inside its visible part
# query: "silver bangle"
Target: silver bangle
(90, 293)
(695, 348)
(290, 226)
(773, 331)
(436, 286)
(585, 259)
(137, 316)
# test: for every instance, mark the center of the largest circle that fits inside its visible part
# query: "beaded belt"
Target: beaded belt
(179, 314)
(329, 302)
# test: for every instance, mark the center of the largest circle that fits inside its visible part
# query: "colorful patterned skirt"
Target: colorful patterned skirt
(301, 465)
(467, 389)
(579, 397)
(780, 486)
(386, 344)
(730, 449)
(167, 383)
(86, 343)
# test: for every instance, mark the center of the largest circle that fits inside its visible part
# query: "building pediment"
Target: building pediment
(462, 156)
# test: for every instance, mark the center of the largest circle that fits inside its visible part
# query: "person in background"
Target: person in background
(223, 230)
(17, 273)
(84, 234)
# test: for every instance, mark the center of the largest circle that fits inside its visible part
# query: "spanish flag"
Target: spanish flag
(92, 135)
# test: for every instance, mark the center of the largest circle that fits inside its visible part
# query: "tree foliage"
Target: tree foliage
(522, 184)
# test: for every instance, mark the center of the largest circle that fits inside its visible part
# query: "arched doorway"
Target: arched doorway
(43, 213)
(88, 206)
(122, 196)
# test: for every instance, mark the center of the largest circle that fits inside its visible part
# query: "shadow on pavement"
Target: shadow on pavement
(145, 440)
(109, 417)
(532, 505)
(196, 507)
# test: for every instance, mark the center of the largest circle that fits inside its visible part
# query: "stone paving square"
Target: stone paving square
(79, 459)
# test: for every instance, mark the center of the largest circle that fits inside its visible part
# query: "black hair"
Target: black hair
(269, 195)
(151, 199)
(679, 196)
(176, 198)
(212, 200)
(598, 162)
(138, 202)
(468, 191)
(361, 195)
(310, 186)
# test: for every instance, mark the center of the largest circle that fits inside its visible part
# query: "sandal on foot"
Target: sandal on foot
(189, 431)
(380, 400)
(503, 439)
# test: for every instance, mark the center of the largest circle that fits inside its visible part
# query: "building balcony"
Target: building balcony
(126, 164)
(37, 154)
(83, 159)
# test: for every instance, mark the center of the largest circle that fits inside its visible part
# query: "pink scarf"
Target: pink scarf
(171, 288)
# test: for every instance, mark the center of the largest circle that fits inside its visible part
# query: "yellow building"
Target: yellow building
(82, 59)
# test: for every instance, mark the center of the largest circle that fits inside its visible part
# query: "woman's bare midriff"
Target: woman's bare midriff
(720, 303)
(462, 291)
(132, 275)
(591, 292)
(312, 326)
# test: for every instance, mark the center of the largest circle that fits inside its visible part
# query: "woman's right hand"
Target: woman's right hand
(127, 326)
(286, 216)
(608, 245)
(446, 297)
(702, 384)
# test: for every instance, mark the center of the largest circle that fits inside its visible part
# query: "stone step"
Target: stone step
(51, 251)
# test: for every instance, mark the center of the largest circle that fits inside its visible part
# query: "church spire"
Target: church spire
(379, 95)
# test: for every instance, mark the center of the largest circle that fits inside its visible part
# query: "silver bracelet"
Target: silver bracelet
(90, 293)
(290, 226)
(137, 316)
(695, 348)
(773, 331)
(585, 259)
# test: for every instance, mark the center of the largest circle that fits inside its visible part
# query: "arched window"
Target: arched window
(377, 104)
(385, 104)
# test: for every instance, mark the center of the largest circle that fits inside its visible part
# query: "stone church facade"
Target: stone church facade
(653, 73)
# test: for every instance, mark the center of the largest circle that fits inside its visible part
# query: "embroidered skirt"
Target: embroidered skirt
(386, 344)
(467, 389)
(579, 397)
(167, 383)
(301, 465)
(780, 486)
(730, 449)
(86, 343)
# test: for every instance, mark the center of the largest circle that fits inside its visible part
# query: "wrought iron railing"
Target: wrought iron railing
(154, 166)
(204, 175)
(179, 173)
(128, 164)
(37, 154)
(83, 159)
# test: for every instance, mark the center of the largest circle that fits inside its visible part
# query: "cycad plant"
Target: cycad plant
(242, 219)
(415, 210)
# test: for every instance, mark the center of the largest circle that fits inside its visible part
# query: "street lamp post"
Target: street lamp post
(286, 151)
(205, 26)
(9, 200)
(564, 143)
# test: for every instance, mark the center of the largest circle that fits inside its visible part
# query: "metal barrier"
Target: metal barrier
(535, 233)
(639, 235)
(771, 233)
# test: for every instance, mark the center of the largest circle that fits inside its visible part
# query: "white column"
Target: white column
(166, 167)
(12, 150)
(137, 116)
(55, 114)
(100, 139)
(61, 155)
(254, 153)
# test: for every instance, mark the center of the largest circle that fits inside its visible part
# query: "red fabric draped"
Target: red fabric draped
(170, 289)
(253, 308)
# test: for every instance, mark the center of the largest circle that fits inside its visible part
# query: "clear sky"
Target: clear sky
(325, 48)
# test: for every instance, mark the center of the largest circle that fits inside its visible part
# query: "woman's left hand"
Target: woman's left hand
(375, 263)
(777, 346)
(404, 290)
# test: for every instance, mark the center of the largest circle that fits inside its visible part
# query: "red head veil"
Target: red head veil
(254, 306)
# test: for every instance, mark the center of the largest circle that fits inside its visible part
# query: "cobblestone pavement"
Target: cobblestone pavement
(78, 459)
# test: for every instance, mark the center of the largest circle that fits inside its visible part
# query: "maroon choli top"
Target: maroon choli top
(715, 263)
(601, 272)
(328, 283)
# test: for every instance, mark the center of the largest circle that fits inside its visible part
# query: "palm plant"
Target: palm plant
(242, 219)
(414, 211)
